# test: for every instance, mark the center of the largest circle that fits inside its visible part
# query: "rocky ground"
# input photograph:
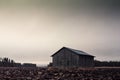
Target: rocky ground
(59, 74)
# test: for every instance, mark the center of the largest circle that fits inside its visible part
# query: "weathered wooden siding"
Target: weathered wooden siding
(66, 58)
(86, 61)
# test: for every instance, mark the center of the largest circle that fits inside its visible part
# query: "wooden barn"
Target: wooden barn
(67, 57)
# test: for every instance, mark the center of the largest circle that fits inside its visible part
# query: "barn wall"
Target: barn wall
(65, 58)
(72, 59)
(86, 61)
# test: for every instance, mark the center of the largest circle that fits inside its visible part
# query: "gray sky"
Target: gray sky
(32, 30)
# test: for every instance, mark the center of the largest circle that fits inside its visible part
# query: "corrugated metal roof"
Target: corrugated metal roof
(74, 51)
(79, 52)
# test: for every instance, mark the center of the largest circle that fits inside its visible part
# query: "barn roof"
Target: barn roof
(79, 52)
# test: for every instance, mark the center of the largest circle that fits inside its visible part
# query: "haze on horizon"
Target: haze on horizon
(32, 30)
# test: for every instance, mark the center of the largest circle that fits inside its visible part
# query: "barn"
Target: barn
(67, 57)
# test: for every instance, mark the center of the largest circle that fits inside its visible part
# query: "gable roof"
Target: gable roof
(78, 52)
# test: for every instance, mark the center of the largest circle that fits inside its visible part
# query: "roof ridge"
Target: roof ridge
(78, 51)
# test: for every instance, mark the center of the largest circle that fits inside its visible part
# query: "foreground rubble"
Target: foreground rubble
(59, 74)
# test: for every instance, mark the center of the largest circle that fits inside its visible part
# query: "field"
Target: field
(59, 74)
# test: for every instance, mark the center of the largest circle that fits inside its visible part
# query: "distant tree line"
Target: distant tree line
(6, 62)
(106, 63)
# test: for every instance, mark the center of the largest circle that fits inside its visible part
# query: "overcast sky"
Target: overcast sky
(32, 30)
